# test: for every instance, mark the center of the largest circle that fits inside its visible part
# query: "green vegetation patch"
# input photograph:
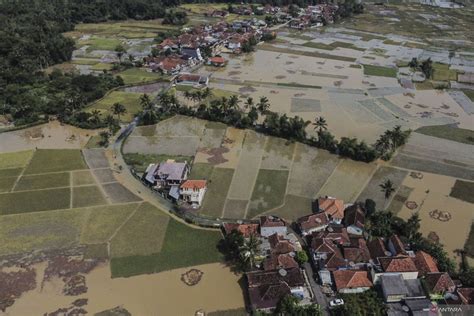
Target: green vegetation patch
(100, 43)
(45, 230)
(460, 135)
(183, 246)
(371, 70)
(230, 312)
(6, 184)
(104, 221)
(269, 191)
(469, 94)
(441, 72)
(15, 159)
(82, 177)
(43, 181)
(463, 190)
(87, 196)
(101, 66)
(201, 171)
(218, 187)
(142, 234)
(469, 245)
(85, 61)
(34, 201)
(139, 75)
(130, 100)
(297, 85)
(55, 160)
(294, 207)
(94, 142)
(141, 161)
(12, 172)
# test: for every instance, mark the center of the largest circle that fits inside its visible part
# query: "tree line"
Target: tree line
(232, 111)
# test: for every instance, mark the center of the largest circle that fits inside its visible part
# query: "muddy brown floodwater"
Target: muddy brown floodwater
(50, 135)
(155, 294)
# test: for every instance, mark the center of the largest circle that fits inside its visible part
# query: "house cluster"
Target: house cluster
(185, 51)
(349, 263)
(314, 16)
(276, 273)
(171, 178)
(345, 261)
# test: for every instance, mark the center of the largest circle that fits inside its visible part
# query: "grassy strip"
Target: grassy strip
(54, 160)
(44, 181)
(371, 70)
(15, 159)
(269, 191)
(219, 184)
(441, 72)
(182, 247)
(34, 201)
(469, 94)
(141, 161)
(463, 190)
(459, 135)
(298, 85)
(87, 196)
(268, 47)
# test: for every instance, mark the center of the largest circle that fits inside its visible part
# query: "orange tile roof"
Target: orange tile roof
(313, 221)
(439, 282)
(332, 207)
(217, 59)
(397, 264)
(398, 245)
(350, 279)
(275, 262)
(245, 229)
(425, 262)
(194, 184)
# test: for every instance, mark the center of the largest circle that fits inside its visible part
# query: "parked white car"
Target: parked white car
(336, 302)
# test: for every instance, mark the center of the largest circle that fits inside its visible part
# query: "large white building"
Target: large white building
(192, 191)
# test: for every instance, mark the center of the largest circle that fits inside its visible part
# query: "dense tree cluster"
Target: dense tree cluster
(31, 40)
(385, 224)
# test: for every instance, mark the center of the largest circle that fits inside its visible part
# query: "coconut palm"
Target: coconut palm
(263, 105)
(234, 102)
(387, 188)
(320, 124)
(249, 103)
(118, 109)
(145, 102)
(249, 250)
(95, 116)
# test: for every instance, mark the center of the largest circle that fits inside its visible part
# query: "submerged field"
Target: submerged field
(250, 174)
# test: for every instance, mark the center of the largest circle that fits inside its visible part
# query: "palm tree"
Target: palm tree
(320, 124)
(95, 116)
(145, 102)
(206, 93)
(383, 144)
(249, 250)
(388, 188)
(118, 109)
(233, 102)
(263, 105)
(249, 103)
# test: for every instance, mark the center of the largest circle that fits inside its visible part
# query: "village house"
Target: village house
(395, 246)
(192, 191)
(267, 288)
(389, 265)
(377, 249)
(217, 61)
(312, 223)
(425, 263)
(438, 283)
(395, 288)
(351, 281)
(247, 230)
(270, 225)
(334, 208)
(354, 219)
(191, 80)
(169, 65)
(167, 175)
(279, 261)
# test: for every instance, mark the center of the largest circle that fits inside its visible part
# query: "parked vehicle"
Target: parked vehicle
(336, 302)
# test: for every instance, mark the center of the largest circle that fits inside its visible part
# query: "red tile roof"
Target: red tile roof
(268, 296)
(425, 263)
(336, 234)
(169, 64)
(271, 221)
(397, 264)
(351, 279)
(194, 184)
(358, 252)
(334, 208)
(439, 282)
(312, 221)
(280, 245)
(293, 277)
(217, 60)
(245, 229)
(276, 262)
(466, 294)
